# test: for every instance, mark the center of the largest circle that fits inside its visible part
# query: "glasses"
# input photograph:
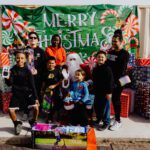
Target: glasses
(32, 37)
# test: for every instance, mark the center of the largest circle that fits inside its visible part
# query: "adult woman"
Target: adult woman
(117, 60)
(56, 50)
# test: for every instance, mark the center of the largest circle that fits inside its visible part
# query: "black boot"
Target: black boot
(18, 127)
(32, 122)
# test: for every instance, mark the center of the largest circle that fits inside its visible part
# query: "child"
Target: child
(80, 95)
(23, 90)
(51, 86)
(56, 50)
(102, 85)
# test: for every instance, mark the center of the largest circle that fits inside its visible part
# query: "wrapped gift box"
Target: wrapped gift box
(4, 59)
(6, 97)
(142, 101)
(131, 62)
(143, 62)
(125, 103)
(140, 73)
(50, 136)
(131, 94)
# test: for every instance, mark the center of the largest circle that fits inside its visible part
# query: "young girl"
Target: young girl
(80, 95)
(56, 50)
(23, 90)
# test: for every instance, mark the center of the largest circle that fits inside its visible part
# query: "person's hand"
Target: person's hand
(34, 71)
(52, 87)
(7, 78)
(37, 103)
(108, 97)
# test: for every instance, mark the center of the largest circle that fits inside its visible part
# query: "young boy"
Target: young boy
(23, 90)
(102, 85)
(52, 81)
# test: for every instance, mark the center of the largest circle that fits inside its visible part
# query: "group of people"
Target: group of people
(38, 75)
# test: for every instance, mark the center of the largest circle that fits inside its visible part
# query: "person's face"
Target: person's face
(51, 64)
(78, 76)
(56, 41)
(101, 58)
(33, 40)
(20, 59)
(116, 43)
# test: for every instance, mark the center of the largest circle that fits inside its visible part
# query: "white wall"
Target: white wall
(74, 2)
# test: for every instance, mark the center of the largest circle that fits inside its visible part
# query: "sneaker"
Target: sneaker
(112, 121)
(96, 122)
(115, 126)
(32, 122)
(103, 127)
(18, 127)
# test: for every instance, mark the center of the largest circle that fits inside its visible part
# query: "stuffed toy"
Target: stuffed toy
(68, 103)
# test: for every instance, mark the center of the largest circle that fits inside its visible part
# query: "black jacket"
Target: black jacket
(117, 61)
(102, 80)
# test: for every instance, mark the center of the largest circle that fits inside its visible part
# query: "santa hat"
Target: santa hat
(68, 103)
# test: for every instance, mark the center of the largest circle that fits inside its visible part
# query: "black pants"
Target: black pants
(38, 85)
(116, 101)
(79, 115)
(99, 106)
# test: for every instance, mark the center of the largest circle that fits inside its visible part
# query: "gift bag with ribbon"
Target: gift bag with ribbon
(47, 103)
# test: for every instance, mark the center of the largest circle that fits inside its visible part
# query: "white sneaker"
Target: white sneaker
(115, 126)
(112, 121)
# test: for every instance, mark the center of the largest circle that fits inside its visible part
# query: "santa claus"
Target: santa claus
(73, 62)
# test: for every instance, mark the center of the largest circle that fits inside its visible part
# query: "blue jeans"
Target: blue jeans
(102, 109)
(106, 118)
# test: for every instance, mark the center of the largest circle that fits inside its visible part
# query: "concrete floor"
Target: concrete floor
(132, 127)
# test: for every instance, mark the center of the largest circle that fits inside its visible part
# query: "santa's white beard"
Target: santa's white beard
(72, 67)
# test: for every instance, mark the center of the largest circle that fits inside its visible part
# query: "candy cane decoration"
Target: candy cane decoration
(131, 26)
(106, 13)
